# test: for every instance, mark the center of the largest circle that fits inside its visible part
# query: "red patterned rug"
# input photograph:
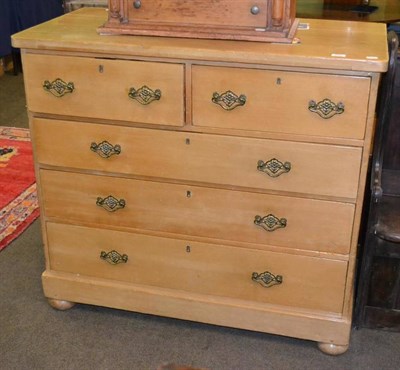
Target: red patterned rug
(18, 198)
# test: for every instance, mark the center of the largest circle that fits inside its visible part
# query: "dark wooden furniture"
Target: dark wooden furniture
(378, 297)
(252, 20)
(71, 5)
(387, 11)
(17, 15)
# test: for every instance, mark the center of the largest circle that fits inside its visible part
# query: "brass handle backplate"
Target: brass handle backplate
(267, 279)
(326, 108)
(105, 149)
(110, 204)
(270, 222)
(144, 95)
(228, 100)
(58, 87)
(273, 167)
(114, 257)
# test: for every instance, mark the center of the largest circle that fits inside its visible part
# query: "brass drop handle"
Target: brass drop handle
(325, 108)
(274, 167)
(113, 257)
(144, 95)
(58, 87)
(110, 203)
(270, 222)
(267, 279)
(105, 149)
(228, 100)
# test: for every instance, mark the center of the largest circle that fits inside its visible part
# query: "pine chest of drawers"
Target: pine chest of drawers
(215, 181)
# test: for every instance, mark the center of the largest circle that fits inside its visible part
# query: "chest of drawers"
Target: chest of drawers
(220, 182)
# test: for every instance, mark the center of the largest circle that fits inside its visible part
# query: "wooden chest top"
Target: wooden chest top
(326, 44)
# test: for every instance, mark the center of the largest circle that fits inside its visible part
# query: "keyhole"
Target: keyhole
(188, 249)
(278, 81)
(101, 68)
(187, 141)
(188, 194)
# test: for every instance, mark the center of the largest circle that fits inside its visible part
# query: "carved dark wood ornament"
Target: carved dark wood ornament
(115, 11)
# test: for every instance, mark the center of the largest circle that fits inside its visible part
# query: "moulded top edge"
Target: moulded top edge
(327, 44)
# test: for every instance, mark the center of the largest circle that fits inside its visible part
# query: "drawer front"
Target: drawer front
(278, 101)
(307, 282)
(198, 211)
(231, 161)
(201, 12)
(109, 89)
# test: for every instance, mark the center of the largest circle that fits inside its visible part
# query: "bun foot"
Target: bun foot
(60, 305)
(332, 349)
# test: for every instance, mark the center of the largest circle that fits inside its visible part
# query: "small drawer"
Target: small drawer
(243, 13)
(280, 101)
(247, 274)
(314, 169)
(199, 211)
(135, 91)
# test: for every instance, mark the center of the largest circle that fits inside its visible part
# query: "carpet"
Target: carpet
(18, 198)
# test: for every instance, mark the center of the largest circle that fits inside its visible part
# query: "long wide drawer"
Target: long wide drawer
(199, 211)
(324, 170)
(135, 91)
(222, 12)
(266, 277)
(279, 101)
